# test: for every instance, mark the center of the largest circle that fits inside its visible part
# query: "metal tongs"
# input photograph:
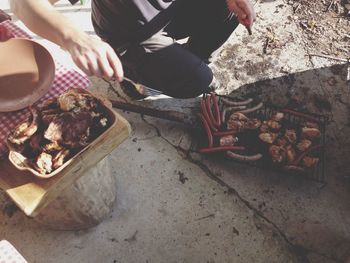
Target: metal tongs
(143, 89)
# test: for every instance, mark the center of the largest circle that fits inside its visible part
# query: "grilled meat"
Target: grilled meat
(304, 144)
(60, 157)
(290, 135)
(239, 116)
(278, 116)
(310, 133)
(274, 125)
(44, 163)
(75, 101)
(26, 129)
(235, 125)
(52, 147)
(291, 155)
(49, 104)
(278, 154)
(228, 140)
(63, 127)
(252, 124)
(35, 142)
(310, 124)
(268, 137)
(54, 131)
(310, 161)
(282, 141)
(74, 127)
(68, 101)
(68, 128)
(264, 127)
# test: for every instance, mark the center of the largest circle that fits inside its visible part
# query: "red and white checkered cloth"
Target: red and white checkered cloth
(65, 78)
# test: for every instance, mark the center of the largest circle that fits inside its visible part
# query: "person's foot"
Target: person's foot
(214, 85)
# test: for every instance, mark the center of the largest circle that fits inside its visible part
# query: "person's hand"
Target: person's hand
(4, 34)
(244, 11)
(94, 56)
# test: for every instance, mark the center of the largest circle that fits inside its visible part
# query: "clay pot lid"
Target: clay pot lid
(27, 71)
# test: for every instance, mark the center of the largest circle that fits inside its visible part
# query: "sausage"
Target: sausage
(224, 133)
(210, 112)
(303, 154)
(207, 130)
(229, 102)
(302, 115)
(257, 107)
(217, 110)
(206, 116)
(229, 109)
(221, 149)
(294, 168)
(244, 158)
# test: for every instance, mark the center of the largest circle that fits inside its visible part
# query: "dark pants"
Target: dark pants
(181, 71)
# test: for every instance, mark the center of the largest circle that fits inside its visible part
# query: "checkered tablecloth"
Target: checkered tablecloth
(65, 78)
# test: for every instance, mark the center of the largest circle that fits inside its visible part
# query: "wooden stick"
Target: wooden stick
(330, 5)
(266, 45)
(168, 115)
(297, 8)
(329, 57)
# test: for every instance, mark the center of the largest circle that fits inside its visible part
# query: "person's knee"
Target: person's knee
(173, 70)
(196, 84)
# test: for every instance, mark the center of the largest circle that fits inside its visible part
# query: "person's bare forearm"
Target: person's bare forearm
(41, 18)
(90, 54)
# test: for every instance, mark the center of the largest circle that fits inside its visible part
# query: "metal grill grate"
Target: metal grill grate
(293, 120)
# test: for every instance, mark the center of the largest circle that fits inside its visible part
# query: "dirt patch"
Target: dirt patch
(10, 209)
(325, 24)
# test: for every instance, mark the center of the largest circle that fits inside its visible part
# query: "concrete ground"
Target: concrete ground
(174, 205)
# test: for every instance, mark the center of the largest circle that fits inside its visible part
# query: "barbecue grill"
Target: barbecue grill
(248, 143)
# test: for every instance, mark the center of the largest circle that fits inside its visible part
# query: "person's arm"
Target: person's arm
(244, 11)
(92, 55)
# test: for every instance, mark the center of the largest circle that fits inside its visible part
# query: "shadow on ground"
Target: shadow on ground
(313, 217)
(323, 91)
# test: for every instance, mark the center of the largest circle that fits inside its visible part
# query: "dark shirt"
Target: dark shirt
(150, 8)
(122, 22)
(73, 2)
(125, 21)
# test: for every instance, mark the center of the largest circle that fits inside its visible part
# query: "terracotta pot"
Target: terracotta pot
(27, 71)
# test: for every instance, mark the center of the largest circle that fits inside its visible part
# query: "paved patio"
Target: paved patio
(174, 205)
